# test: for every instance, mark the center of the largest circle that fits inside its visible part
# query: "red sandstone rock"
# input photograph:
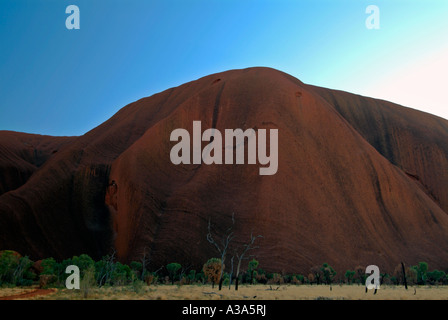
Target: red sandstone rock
(360, 181)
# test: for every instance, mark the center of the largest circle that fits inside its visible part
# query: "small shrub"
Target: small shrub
(149, 279)
(435, 276)
(173, 268)
(137, 268)
(276, 278)
(261, 278)
(137, 285)
(328, 273)
(297, 279)
(121, 274)
(9, 260)
(191, 277)
(48, 266)
(349, 275)
(88, 281)
(23, 276)
(46, 280)
(212, 270)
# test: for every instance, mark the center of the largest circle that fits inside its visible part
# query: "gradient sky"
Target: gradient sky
(66, 82)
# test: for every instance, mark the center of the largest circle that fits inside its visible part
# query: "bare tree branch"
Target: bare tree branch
(242, 255)
(225, 242)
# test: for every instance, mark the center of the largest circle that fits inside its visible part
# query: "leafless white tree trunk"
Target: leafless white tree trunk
(231, 271)
(241, 255)
(223, 246)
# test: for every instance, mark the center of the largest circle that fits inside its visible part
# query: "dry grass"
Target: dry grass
(255, 292)
(4, 292)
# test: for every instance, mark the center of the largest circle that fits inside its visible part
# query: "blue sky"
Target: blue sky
(65, 82)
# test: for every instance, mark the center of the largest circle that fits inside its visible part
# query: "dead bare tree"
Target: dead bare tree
(105, 274)
(404, 276)
(223, 246)
(231, 271)
(183, 271)
(241, 255)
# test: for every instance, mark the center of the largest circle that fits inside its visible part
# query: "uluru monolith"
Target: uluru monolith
(359, 181)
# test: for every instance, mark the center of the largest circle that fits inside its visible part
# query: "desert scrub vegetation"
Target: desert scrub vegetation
(137, 278)
(15, 270)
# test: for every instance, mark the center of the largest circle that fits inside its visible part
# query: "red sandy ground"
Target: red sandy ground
(28, 295)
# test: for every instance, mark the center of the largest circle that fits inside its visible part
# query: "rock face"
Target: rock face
(360, 181)
(21, 154)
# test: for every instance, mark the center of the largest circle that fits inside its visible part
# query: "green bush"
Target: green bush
(200, 277)
(137, 284)
(349, 275)
(191, 277)
(173, 268)
(8, 263)
(121, 274)
(328, 273)
(49, 266)
(436, 276)
(15, 270)
(136, 268)
(421, 270)
(297, 279)
(103, 270)
(84, 263)
(251, 270)
(23, 276)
